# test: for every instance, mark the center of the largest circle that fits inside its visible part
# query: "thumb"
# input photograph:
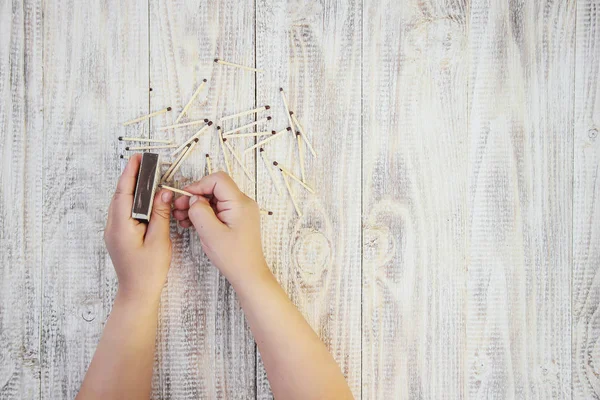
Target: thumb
(158, 227)
(203, 217)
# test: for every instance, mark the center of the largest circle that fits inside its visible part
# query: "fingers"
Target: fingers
(158, 227)
(202, 215)
(122, 202)
(220, 185)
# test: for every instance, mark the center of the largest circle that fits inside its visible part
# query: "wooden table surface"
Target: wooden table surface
(452, 249)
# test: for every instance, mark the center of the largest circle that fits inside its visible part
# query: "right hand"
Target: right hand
(228, 223)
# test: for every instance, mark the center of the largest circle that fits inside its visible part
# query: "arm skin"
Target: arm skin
(297, 362)
(141, 254)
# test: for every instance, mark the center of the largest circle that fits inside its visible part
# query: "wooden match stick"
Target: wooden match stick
(247, 126)
(186, 154)
(301, 156)
(244, 113)
(243, 135)
(134, 139)
(144, 117)
(208, 165)
(289, 189)
(273, 136)
(304, 135)
(269, 167)
(194, 136)
(166, 146)
(174, 163)
(294, 177)
(124, 157)
(237, 158)
(189, 103)
(218, 61)
(287, 108)
(265, 212)
(200, 121)
(172, 189)
(225, 157)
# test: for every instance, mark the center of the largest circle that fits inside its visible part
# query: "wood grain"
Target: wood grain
(205, 349)
(21, 131)
(586, 205)
(520, 199)
(312, 50)
(95, 78)
(414, 199)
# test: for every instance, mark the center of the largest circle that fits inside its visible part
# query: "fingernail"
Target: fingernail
(193, 199)
(166, 196)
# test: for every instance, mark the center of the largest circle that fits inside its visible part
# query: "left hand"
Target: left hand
(141, 253)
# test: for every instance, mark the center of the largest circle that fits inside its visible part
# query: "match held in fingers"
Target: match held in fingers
(174, 164)
(225, 156)
(143, 140)
(287, 172)
(238, 159)
(287, 108)
(200, 121)
(250, 125)
(194, 136)
(172, 189)
(269, 167)
(219, 61)
(289, 189)
(166, 146)
(145, 117)
(244, 113)
(208, 164)
(189, 103)
(273, 136)
(304, 137)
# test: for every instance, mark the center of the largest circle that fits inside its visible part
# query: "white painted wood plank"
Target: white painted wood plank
(95, 78)
(313, 50)
(520, 199)
(586, 205)
(205, 349)
(414, 199)
(21, 130)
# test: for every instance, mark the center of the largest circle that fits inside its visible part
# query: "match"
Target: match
(198, 122)
(174, 190)
(189, 103)
(273, 136)
(244, 113)
(219, 61)
(247, 126)
(145, 117)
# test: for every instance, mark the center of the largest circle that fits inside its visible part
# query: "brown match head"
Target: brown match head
(169, 108)
(204, 80)
(121, 156)
(275, 163)
(291, 113)
(127, 148)
(270, 213)
(150, 89)
(273, 132)
(224, 140)
(205, 120)
(289, 128)
(207, 155)
(297, 133)
(120, 137)
(269, 118)
(281, 89)
(261, 150)
(216, 60)
(210, 123)
(267, 107)
(218, 127)
(196, 140)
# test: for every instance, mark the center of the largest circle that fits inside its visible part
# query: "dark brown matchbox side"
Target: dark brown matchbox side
(147, 181)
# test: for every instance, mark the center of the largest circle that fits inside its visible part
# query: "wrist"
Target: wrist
(246, 285)
(136, 300)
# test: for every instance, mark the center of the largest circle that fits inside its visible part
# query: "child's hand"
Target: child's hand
(141, 253)
(228, 223)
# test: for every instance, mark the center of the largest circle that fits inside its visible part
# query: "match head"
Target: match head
(261, 150)
(270, 213)
(289, 128)
(121, 156)
(169, 108)
(150, 89)
(297, 133)
(196, 140)
(281, 89)
(224, 140)
(205, 120)
(275, 163)
(218, 128)
(291, 113)
(204, 80)
(216, 60)
(273, 132)
(267, 107)
(127, 148)
(210, 123)
(268, 118)
(120, 137)
(207, 155)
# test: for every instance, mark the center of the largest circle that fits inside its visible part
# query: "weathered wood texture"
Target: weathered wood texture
(95, 78)
(205, 349)
(313, 51)
(414, 199)
(586, 205)
(520, 199)
(21, 130)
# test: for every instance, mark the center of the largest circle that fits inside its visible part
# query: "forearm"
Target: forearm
(123, 362)
(298, 364)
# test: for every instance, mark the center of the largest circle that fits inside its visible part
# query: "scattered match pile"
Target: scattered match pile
(183, 150)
